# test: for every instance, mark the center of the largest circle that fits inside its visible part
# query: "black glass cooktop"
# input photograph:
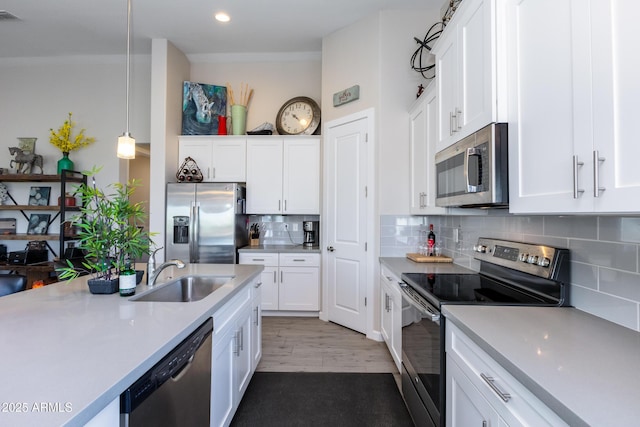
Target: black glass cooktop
(469, 289)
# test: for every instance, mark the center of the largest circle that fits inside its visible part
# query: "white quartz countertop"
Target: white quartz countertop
(584, 368)
(76, 352)
(404, 265)
(281, 248)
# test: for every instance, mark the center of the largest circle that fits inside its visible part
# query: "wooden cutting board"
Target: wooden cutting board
(424, 258)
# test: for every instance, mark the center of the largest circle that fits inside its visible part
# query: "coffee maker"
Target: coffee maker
(311, 232)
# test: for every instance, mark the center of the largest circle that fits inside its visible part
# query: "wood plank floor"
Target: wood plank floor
(307, 344)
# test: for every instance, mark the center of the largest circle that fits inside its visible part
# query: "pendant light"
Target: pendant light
(126, 143)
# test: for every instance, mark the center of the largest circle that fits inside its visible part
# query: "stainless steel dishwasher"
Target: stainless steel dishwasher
(177, 390)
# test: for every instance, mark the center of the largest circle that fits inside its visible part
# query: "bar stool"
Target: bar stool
(12, 283)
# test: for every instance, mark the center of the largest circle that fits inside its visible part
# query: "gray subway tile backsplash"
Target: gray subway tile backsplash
(605, 251)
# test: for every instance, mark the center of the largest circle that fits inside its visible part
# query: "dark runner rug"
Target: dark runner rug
(321, 399)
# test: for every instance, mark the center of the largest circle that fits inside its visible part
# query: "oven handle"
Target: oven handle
(426, 310)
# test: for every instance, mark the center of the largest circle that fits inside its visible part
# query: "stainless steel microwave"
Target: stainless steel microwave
(473, 172)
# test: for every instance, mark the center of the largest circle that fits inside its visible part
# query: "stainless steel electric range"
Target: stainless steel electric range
(511, 273)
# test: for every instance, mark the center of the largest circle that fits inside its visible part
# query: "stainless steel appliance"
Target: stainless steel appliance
(206, 222)
(311, 230)
(177, 390)
(474, 171)
(511, 273)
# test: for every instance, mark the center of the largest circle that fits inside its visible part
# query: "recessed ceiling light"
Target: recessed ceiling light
(222, 17)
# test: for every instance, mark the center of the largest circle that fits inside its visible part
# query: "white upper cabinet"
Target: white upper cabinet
(572, 100)
(220, 159)
(283, 176)
(423, 133)
(467, 63)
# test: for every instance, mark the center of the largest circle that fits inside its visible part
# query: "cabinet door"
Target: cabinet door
(199, 149)
(299, 288)
(545, 109)
(269, 288)
(476, 95)
(395, 307)
(301, 177)
(256, 325)
(243, 362)
(264, 176)
(222, 377)
(229, 160)
(446, 79)
(615, 103)
(465, 405)
(418, 150)
(423, 134)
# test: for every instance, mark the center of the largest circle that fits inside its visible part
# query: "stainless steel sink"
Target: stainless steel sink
(184, 289)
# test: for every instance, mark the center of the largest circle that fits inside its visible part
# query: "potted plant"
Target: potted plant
(110, 232)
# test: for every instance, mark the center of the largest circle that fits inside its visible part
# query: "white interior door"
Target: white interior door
(346, 223)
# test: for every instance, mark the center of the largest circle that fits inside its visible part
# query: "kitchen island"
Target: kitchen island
(67, 354)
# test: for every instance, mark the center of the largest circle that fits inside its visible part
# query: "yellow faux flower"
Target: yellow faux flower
(62, 138)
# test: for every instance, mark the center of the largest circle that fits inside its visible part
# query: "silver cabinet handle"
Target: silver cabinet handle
(257, 285)
(257, 259)
(237, 339)
(285, 205)
(257, 321)
(214, 173)
(298, 260)
(330, 248)
(596, 173)
(242, 338)
(576, 164)
(279, 205)
(491, 382)
(458, 117)
(281, 276)
(452, 129)
(275, 278)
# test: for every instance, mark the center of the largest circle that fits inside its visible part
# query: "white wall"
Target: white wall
(398, 89)
(37, 94)
(274, 82)
(170, 68)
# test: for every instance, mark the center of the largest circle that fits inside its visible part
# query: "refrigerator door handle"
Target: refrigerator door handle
(193, 227)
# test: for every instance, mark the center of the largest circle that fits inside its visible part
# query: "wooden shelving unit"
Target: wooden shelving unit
(59, 211)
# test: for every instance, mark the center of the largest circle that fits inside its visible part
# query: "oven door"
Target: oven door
(422, 359)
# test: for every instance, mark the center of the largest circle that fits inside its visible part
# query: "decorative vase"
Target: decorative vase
(65, 163)
(103, 286)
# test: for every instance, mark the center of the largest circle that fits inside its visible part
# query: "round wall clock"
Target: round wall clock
(298, 116)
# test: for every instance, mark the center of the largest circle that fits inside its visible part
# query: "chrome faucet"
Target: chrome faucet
(156, 273)
(151, 264)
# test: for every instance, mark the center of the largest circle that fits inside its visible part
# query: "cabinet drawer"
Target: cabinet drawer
(522, 406)
(225, 315)
(299, 260)
(259, 258)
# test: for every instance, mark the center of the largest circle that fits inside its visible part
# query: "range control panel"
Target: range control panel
(539, 260)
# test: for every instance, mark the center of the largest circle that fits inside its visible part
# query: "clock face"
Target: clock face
(298, 116)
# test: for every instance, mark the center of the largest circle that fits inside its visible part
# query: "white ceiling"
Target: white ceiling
(98, 27)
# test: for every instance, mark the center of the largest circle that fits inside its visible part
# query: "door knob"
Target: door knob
(330, 248)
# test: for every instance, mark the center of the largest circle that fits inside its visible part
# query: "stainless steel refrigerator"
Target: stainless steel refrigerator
(206, 222)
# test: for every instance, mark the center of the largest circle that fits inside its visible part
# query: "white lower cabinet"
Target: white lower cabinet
(391, 317)
(481, 392)
(290, 281)
(236, 344)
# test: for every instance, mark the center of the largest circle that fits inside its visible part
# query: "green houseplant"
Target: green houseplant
(110, 233)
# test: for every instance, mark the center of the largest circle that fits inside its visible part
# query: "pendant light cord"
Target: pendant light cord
(128, 59)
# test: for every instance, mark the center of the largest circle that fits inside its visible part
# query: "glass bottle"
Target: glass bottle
(127, 281)
(431, 241)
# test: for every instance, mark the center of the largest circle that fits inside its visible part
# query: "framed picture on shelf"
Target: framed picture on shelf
(39, 196)
(38, 223)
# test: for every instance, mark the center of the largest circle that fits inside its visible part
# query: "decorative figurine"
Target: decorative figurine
(25, 161)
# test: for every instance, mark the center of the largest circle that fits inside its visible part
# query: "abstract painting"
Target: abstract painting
(202, 104)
